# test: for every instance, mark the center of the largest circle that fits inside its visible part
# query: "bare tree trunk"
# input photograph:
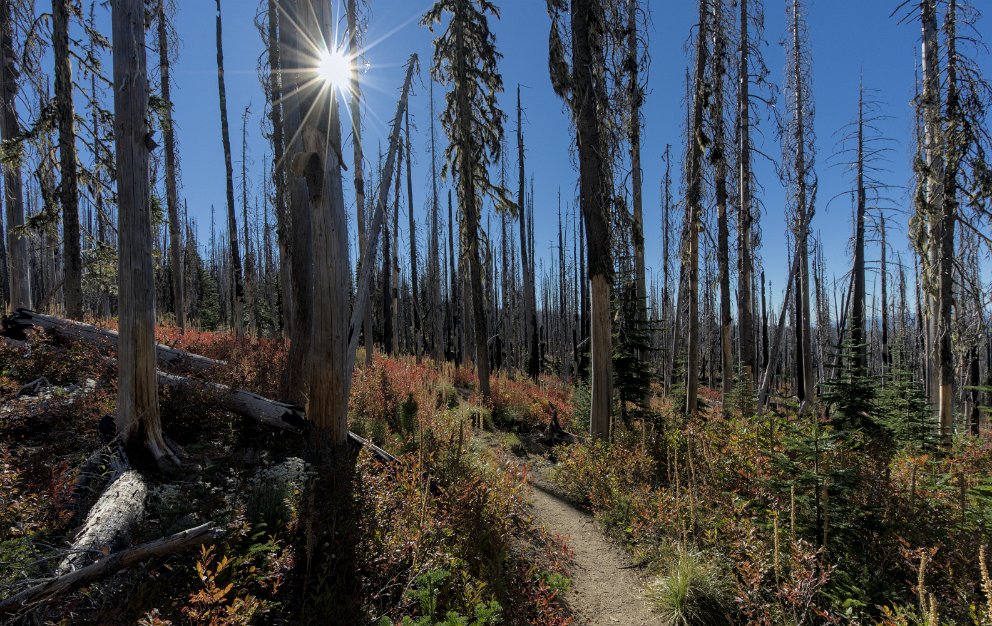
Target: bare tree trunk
(355, 105)
(109, 523)
(414, 284)
(776, 349)
(317, 158)
(171, 200)
(394, 261)
(237, 308)
(300, 240)
(138, 419)
(667, 324)
(72, 285)
(17, 244)
(279, 166)
(804, 347)
(362, 295)
(587, 16)
(250, 276)
(719, 159)
(434, 254)
(858, 309)
(886, 359)
(948, 218)
(764, 325)
(454, 301)
(693, 205)
(745, 217)
(636, 95)
(526, 258)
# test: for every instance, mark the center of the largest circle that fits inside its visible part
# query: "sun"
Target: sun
(334, 68)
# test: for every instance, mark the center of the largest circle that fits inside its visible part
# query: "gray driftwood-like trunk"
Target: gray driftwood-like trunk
(317, 157)
(109, 523)
(355, 106)
(138, 420)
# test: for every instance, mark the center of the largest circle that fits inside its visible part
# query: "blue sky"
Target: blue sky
(849, 38)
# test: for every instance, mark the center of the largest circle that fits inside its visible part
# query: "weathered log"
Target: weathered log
(111, 564)
(280, 415)
(109, 523)
(20, 320)
(15, 343)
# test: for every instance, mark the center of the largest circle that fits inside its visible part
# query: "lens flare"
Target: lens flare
(334, 68)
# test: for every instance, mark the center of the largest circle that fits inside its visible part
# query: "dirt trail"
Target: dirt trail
(605, 590)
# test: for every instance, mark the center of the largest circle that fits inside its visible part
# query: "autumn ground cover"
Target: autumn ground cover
(778, 519)
(443, 536)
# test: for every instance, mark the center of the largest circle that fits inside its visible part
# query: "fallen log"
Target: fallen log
(280, 415)
(110, 564)
(15, 325)
(108, 524)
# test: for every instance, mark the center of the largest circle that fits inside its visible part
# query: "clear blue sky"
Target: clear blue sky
(849, 37)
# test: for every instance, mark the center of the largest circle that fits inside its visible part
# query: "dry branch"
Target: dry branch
(111, 564)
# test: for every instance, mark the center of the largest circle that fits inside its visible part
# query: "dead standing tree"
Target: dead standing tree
(466, 57)
(578, 81)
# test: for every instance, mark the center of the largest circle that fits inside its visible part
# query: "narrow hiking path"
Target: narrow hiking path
(605, 590)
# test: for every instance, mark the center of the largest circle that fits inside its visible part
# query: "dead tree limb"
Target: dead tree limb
(111, 564)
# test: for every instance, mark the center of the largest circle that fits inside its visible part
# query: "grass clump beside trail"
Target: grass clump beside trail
(693, 591)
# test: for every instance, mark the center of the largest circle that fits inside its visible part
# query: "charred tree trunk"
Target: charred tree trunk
(17, 243)
(859, 346)
(418, 339)
(694, 207)
(636, 95)
(745, 217)
(300, 240)
(171, 198)
(804, 342)
(719, 160)
(238, 295)
(587, 50)
(529, 308)
(72, 277)
(279, 166)
(434, 254)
